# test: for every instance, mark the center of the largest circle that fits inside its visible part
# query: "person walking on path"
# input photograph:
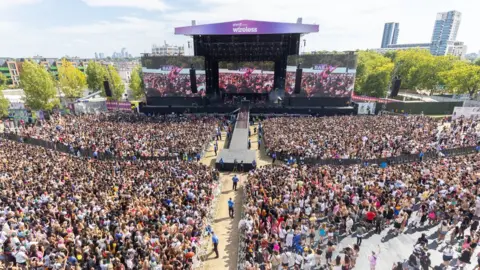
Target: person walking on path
(235, 165)
(215, 244)
(215, 148)
(235, 182)
(231, 204)
(360, 232)
(274, 157)
(373, 259)
(222, 164)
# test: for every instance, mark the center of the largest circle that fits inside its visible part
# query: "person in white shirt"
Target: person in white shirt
(477, 207)
(288, 259)
(308, 210)
(289, 239)
(21, 256)
(349, 225)
(309, 260)
(276, 261)
(298, 260)
(282, 233)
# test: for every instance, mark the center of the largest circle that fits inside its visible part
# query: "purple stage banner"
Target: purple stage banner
(246, 27)
(119, 106)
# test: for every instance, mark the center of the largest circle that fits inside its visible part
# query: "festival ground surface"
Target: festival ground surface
(392, 248)
(225, 227)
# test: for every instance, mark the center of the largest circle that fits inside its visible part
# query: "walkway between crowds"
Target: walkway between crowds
(225, 227)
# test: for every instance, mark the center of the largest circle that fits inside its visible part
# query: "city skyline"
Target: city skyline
(107, 25)
(446, 29)
(390, 34)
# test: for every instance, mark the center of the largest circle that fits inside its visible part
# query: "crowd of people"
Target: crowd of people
(58, 211)
(295, 215)
(365, 137)
(128, 135)
(245, 82)
(171, 85)
(321, 84)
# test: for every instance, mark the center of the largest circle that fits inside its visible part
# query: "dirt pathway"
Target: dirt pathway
(225, 227)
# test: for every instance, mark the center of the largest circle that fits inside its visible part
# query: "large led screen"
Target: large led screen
(169, 76)
(323, 75)
(246, 77)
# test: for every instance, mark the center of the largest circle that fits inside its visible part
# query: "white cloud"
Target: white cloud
(11, 3)
(8, 27)
(346, 25)
(134, 33)
(140, 4)
(122, 25)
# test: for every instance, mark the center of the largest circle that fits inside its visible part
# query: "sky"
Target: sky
(55, 28)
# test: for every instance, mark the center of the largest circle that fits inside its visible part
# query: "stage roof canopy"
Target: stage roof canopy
(246, 27)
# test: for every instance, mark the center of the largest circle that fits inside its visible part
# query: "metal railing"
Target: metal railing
(242, 249)
(88, 152)
(402, 159)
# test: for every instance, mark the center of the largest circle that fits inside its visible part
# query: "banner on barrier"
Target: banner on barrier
(119, 106)
(366, 108)
(467, 112)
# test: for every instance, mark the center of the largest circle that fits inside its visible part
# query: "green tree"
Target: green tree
(376, 83)
(477, 62)
(96, 74)
(116, 84)
(71, 80)
(425, 74)
(4, 105)
(3, 81)
(462, 78)
(409, 64)
(39, 87)
(373, 74)
(136, 84)
(391, 55)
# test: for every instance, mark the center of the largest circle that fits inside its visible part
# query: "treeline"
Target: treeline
(418, 70)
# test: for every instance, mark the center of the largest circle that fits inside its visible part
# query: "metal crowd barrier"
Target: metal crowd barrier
(402, 159)
(242, 249)
(202, 253)
(87, 152)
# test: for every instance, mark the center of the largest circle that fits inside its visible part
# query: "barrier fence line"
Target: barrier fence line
(402, 159)
(241, 237)
(61, 147)
(205, 239)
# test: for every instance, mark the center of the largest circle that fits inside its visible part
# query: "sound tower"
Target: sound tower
(396, 87)
(298, 80)
(193, 80)
(106, 86)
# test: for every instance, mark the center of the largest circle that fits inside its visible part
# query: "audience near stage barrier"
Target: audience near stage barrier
(365, 137)
(172, 84)
(295, 216)
(127, 135)
(246, 83)
(59, 211)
